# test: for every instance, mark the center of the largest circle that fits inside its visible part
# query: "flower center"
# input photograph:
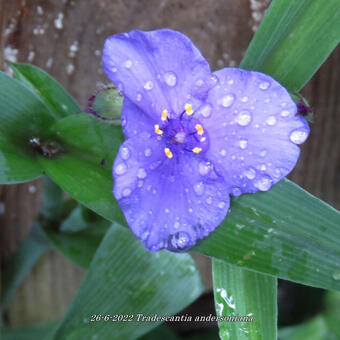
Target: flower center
(182, 134)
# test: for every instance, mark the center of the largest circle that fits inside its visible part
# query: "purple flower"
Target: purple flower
(193, 138)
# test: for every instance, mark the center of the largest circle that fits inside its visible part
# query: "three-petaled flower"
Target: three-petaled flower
(193, 138)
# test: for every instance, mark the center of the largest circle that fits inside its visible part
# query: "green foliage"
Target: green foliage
(54, 96)
(239, 292)
(126, 279)
(294, 39)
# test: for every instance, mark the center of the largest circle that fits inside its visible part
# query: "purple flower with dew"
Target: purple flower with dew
(193, 137)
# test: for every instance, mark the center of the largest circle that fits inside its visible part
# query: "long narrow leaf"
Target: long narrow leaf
(248, 295)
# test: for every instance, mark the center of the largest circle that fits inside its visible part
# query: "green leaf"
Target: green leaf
(21, 262)
(285, 232)
(84, 171)
(23, 116)
(294, 39)
(32, 332)
(245, 294)
(331, 314)
(47, 89)
(316, 329)
(79, 246)
(125, 279)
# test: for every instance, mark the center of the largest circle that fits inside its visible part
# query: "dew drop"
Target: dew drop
(199, 82)
(140, 184)
(285, 113)
(170, 79)
(263, 183)
(147, 152)
(139, 97)
(128, 64)
(243, 143)
(244, 99)
(221, 205)
(125, 153)
(223, 152)
(298, 136)
(277, 173)
(228, 100)
(236, 191)
(148, 85)
(199, 188)
(204, 168)
(121, 169)
(114, 69)
(264, 85)
(336, 275)
(126, 192)
(243, 118)
(271, 120)
(179, 240)
(123, 122)
(250, 173)
(263, 153)
(205, 110)
(209, 200)
(141, 173)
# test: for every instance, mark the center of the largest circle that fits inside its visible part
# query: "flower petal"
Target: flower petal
(157, 70)
(168, 203)
(253, 130)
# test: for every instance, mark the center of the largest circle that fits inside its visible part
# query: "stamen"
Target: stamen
(188, 109)
(164, 115)
(196, 150)
(168, 153)
(199, 129)
(158, 130)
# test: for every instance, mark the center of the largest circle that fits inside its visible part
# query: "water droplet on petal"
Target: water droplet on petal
(264, 85)
(223, 152)
(204, 168)
(243, 118)
(244, 99)
(125, 153)
(285, 113)
(228, 100)
(243, 143)
(205, 110)
(250, 173)
(141, 173)
(271, 120)
(170, 78)
(199, 82)
(114, 69)
(298, 136)
(263, 183)
(139, 97)
(126, 192)
(263, 153)
(236, 191)
(221, 205)
(148, 85)
(179, 240)
(128, 64)
(209, 200)
(123, 122)
(277, 173)
(121, 169)
(199, 188)
(147, 152)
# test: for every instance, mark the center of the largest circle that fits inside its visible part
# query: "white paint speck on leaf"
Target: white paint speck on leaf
(58, 22)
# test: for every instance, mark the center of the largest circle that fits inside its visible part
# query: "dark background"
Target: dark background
(65, 38)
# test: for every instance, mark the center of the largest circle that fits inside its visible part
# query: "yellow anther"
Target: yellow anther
(158, 130)
(164, 114)
(199, 129)
(188, 109)
(168, 153)
(196, 150)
